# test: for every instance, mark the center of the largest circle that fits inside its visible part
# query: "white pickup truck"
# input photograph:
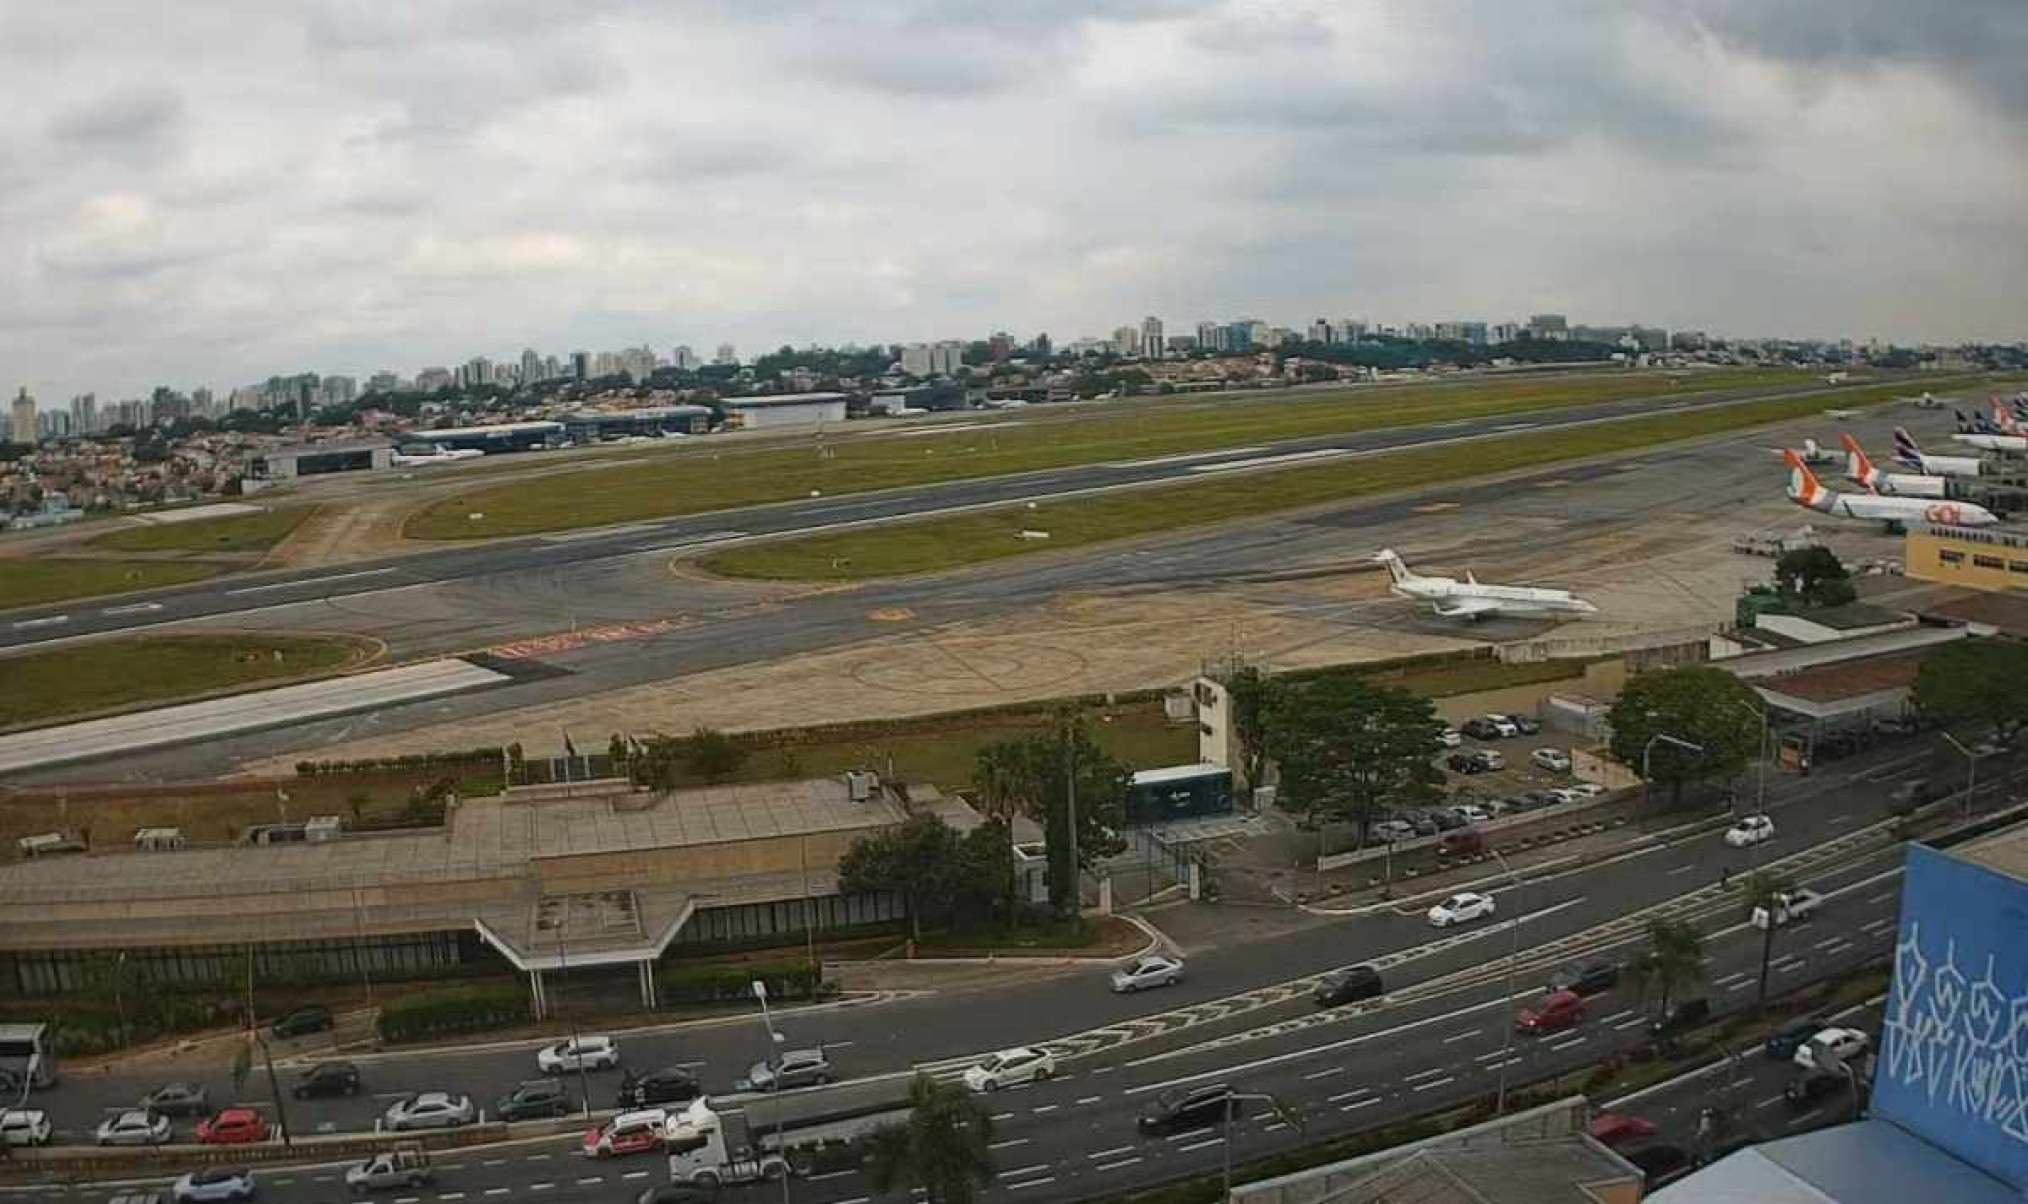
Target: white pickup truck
(406, 1165)
(1789, 908)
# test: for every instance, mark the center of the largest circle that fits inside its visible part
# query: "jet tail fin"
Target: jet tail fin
(1857, 466)
(1907, 452)
(1803, 485)
(1395, 567)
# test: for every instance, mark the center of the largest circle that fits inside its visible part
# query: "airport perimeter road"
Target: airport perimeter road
(1229, 994)
(1075, 1137)
(547, 554)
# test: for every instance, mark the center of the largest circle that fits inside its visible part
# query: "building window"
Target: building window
(2017, 566)
(1946, 556)
(1988, 562)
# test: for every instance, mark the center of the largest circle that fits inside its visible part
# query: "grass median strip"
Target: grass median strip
(234, 533)
(80, 679)
(692, 482)
(989, 535)
(25, 582)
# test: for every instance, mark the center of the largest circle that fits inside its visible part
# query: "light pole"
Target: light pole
(1070, 807)
(1760, 790)
(1648, 751)
(1513, 956)
(1232, 1103)
(562, 971)
(760, 992)
(1776, 903)
(1971, 771)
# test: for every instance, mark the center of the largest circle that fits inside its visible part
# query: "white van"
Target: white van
(159, 840)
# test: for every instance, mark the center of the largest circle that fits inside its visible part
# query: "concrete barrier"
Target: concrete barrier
(57, 1163)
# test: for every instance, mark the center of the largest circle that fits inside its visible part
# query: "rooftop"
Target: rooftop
(2004, 613)
(782, 399)
(2004, 852)
(1867, 1162)
(1847, 679)
(1756, 666)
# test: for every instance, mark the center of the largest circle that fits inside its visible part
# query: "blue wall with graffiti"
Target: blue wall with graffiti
(1953, 1064)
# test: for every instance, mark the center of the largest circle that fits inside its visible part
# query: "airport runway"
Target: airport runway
(665, 625)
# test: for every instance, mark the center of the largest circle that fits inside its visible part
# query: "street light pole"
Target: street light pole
(1777, 902)
(1232, 1103)
(1971, 771)
(563, 971)
(1513, 956)
(1648, 751)
(1070, 807)
(760, 992)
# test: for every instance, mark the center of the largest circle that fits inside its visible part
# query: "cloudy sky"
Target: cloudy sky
(210, 191)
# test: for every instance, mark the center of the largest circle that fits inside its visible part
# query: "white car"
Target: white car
(134, 1126)
(1155, 970)
(1843, 1044)
(1450, 737)
(1751, 830)
(1585, 789)
(1460, 908)
(213, 1183)
(588, 1053)
(1472, 813)
(24, 1126)
(1505, 726)
(428, 1110)
(1022, 1064)
(1555, 760)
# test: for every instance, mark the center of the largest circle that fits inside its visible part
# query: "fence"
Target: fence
(1675, 645)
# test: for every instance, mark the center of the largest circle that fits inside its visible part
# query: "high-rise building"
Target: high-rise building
(1042, 347)
(1553, 327)
(1504, 332)
(1688, 340)
(338, 391)
(685, 359)
(915, 360)
(84, 414)
(1211, 336)
(580, 365)
(1000, 345)
(477, 371)
(1151, 337)
(383, 381)
(531, 366)
(1126, 340)
(726, 354)
(1320, 332)
(23, 428)
(1349, 330)
(638, 363)
(431, 380)
(605, 363)
(947, 357)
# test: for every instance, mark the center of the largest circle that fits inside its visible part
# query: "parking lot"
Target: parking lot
(1513, 779)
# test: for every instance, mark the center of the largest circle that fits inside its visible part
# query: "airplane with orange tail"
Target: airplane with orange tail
(1859, 467)
(1806, 491)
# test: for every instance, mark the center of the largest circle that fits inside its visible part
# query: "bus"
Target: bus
(27, 1059)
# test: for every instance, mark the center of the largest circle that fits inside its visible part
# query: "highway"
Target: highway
(545, 555)
(1242, 1016)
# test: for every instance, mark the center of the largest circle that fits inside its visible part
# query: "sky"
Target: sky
(212, 191)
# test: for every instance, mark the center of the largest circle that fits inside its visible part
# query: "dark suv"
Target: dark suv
(328, 1078)
(1348, 986)
(666, 1086)
(1481, 728)
(1187, 1108)
(1591, 978)
(314, 1018)
(533, 1100)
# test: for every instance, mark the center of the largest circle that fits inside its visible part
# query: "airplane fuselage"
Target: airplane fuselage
(1446, 593)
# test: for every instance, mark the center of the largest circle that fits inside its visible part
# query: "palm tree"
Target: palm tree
(1757, 890)
(941, 1148)
(1674, 959)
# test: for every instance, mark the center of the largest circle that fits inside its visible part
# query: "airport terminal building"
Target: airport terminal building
(543, 880)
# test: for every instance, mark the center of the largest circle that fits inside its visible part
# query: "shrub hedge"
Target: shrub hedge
(727, 984)
(437, 1013)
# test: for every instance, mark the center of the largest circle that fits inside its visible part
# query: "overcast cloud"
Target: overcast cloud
(211, 191)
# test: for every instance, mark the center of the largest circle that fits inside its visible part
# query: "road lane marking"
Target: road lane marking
(494, 1162)
(258, 589)
(1113, 1166)
(588, 1180)
(1090, 1099)
(1682, 869)
(132, 608)
(1434, 1083)
(498, 1191)
(1423, 1074)
(1324, 1073)
(1045, 1107)
(1001, 1116)
(540, 1186)
(1462, 1036)
(1624, 1025)
(1365, 1103)
(1569, 1043)
(1202, 1145)
(1622, 1014)
(1746, 985)
(634, 1175)
(1769, 1102)
(538, 1158)
(1883, 896)
(1031, 1183)
(850, 1171)
(1008, 1144)
(1812, 1114)
(1115, 1152)
(1345, 1095)
(450, 1195)
(1026, 1170)
(51, 621)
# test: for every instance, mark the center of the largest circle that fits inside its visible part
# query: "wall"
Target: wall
(1979, 560)
(1953, 1065)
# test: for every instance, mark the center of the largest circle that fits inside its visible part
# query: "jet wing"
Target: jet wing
(1465, 608)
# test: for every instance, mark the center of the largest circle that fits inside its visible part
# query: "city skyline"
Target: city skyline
(222, 194)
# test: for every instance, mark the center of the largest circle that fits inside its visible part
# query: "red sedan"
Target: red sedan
(1561, 1010)
(234, 1126)
(1617, 1129)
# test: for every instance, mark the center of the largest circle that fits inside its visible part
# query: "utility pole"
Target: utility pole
(1648, 751)
(1513, 956)
(1232, 1103)
(1776, 902)
(1971, 771)
(562, 972)
(1070, 806)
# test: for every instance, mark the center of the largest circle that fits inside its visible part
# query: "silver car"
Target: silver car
(1155, 970)
(213, 1184)
(134, 1126)
(428, 1110)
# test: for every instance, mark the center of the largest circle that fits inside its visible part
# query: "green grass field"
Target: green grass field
(993, 534)
(43, 687)
(26, 582)
(692, 481)
(234, 533)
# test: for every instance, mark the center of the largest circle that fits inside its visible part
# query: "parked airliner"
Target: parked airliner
(1892, 484)
(1909, 454)
(1469, 599)
(1805, 490)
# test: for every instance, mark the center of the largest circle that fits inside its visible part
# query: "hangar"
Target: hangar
(783, 409)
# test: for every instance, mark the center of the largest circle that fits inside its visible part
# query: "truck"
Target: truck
(1789, 908)
(406, 1164)
(707, 1147)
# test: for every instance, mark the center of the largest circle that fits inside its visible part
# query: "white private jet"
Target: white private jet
(1470, 600)
(1928, 401)
(1805, 490)
(1909, 454)
(438, 454)
(1859, 467)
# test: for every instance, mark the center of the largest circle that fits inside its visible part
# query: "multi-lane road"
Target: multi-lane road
(1242, 1017)
(547, 554)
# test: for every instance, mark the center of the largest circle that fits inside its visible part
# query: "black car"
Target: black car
(1447, 819)
(533, 1100)
(1188, 1108)
(178, 1099)
(1681, 1019)
(1591, 978)
(1466, 763)
(303, 1021)
(1525, 725)
(328, 1078)
(1659, 1162)
(1480, 729)
(1421, 821)
(1348, 986)
(666, 1086)
(1811, 1088)
(1783, 1043)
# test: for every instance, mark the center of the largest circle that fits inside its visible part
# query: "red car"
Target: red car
(1561, 1010)
(1617, 1129)
(627, 1133)
(234, 1126)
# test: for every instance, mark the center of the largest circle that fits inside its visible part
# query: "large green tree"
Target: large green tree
(1694, 705)
(1673, 960)
(1814, 576)
(921, 859)
(1030, 775)
(943, 1148)
(1979, 684)
(1347, 748)
(1251, 694)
